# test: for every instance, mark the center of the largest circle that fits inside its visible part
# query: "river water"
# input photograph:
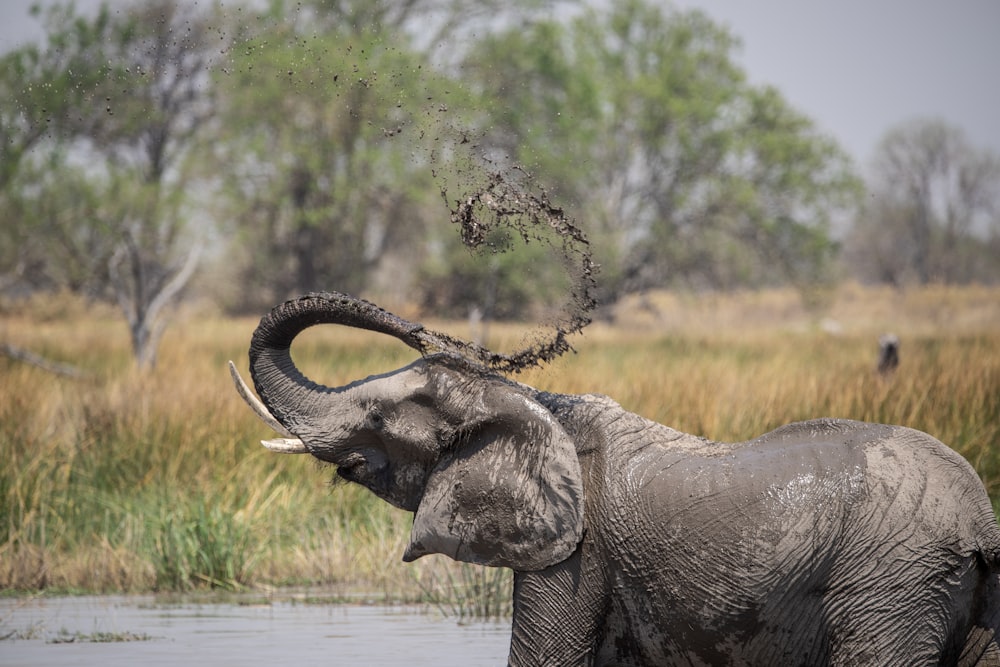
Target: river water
(65, 631)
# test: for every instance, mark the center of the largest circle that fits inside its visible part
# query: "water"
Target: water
(240, 634)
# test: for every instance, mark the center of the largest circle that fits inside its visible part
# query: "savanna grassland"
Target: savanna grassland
(122, 481)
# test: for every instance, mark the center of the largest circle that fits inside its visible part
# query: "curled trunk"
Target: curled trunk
(296, 402)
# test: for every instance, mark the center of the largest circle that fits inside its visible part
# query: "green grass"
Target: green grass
(126, 482)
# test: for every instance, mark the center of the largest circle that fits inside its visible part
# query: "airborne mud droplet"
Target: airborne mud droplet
(509, 200)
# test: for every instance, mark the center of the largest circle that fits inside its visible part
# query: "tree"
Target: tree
(320, 140)
(528, 257)
(786, 184)
(42, 90)
(645, 125)
(324, 133)
(336, 114)
(138, 79)
(934, 210)
(56, 230)
(507, 279)
(422, 24)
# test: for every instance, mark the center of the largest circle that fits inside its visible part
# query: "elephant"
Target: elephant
(824, 542)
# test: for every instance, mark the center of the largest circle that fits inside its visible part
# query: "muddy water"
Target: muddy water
(61, 631)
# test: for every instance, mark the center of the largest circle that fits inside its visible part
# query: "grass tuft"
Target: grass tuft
(470, 592)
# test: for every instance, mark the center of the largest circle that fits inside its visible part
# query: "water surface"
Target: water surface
(59, 631)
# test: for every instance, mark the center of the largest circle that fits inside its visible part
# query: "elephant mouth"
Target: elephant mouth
(348, 467)
(363, 465)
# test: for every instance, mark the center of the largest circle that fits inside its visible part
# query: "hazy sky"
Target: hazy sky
(856, 67)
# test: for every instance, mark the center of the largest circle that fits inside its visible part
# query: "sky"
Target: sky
(860, 67)
(856, 67)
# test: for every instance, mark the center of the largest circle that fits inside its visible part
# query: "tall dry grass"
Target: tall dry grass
(128, 482)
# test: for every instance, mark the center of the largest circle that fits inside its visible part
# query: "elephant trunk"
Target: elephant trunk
(293, 405)
(292, 399)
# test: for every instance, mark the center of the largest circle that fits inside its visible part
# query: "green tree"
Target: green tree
(934, 213)
(323, 142)
(682, 172)
(424, 25)
(336, 113)
(786, 184)
(136, 101)
(55, 228)
(42, 90)
(507, 278)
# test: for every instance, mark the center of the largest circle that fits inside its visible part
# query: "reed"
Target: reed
(470, 592)
(120, 481)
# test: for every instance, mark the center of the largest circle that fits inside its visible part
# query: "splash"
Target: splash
(510, 200)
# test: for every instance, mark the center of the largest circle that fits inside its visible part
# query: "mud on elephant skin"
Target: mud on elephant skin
(823, 542)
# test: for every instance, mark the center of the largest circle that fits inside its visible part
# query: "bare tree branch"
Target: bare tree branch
(20, 354)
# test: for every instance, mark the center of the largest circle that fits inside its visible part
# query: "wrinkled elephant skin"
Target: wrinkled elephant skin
(827, 542)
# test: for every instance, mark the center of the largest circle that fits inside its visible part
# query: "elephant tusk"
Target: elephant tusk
(286, 446)
(259, 408)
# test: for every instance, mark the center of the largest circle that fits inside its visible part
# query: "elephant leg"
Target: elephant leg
(947, 615)
(556, 615)
(982, 644)
(981, 649)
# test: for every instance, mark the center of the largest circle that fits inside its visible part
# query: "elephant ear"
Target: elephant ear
(510, 495)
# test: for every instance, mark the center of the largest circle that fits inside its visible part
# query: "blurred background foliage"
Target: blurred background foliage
(245, 153)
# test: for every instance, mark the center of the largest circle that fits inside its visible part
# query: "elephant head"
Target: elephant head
(491, 475)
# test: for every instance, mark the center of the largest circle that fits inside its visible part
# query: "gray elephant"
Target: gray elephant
(823, 542)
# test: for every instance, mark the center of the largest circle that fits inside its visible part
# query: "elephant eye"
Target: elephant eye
(376, 420)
